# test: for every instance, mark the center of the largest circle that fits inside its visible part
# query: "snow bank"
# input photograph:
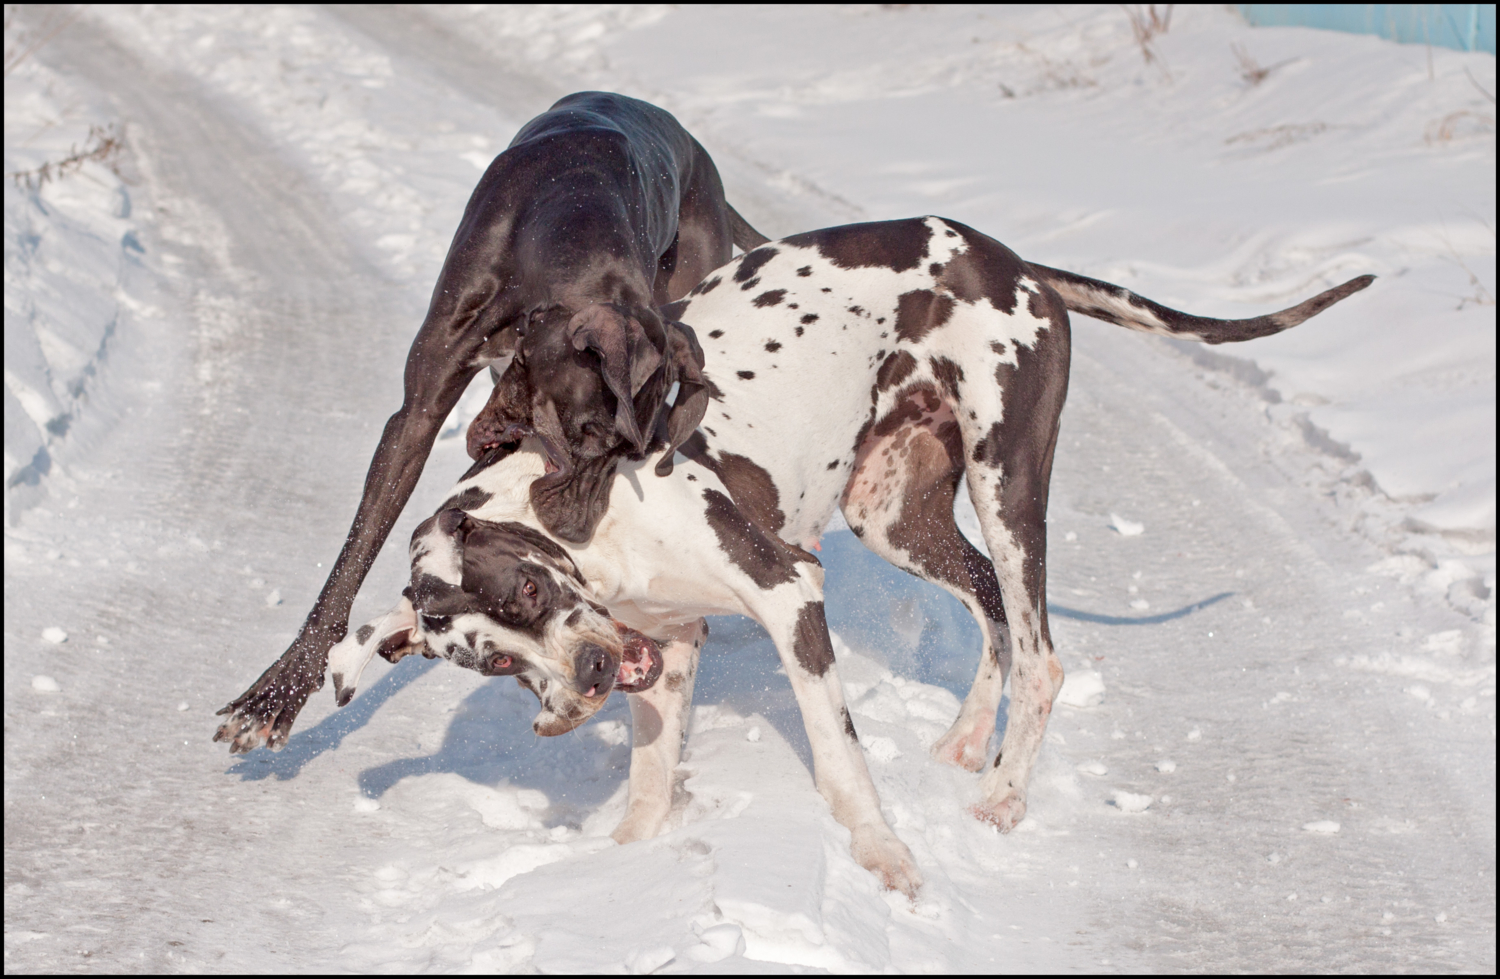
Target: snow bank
(69, 239)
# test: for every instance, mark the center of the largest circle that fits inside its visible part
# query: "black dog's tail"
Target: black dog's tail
(1120, 306)
(745, 237)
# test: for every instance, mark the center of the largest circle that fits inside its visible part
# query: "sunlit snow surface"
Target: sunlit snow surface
(1271, 565)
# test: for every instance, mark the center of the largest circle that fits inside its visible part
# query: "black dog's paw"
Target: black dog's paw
(264, 714)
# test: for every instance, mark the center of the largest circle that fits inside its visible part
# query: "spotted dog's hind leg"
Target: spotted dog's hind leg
(658, 719)
(1009, 419)
(899, 502)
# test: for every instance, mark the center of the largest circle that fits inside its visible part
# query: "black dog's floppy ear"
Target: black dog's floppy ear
(627, 357)
(506, 416)
(686, 359)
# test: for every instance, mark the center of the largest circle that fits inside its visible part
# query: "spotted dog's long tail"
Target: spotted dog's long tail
(1120, 306)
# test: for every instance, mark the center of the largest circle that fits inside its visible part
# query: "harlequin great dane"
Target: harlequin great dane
(600, 208)
(869, 367)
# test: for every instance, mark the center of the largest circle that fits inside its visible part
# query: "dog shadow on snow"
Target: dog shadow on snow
(917, 630)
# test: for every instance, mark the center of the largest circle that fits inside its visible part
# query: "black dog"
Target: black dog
(599, 209)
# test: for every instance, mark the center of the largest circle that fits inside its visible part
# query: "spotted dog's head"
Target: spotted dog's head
(504, 600)
(592, 386)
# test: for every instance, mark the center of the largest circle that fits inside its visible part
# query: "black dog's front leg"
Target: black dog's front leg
(438, 369)
(265, 713)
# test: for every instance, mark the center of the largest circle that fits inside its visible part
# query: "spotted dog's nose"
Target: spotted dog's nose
(594, 671)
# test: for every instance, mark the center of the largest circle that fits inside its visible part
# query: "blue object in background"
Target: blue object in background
(1463, 26)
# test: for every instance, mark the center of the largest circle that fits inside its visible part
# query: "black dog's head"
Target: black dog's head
(504, 600)
(592, 387)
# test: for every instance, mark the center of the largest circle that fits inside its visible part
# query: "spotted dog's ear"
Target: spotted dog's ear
(437, 563)
(393, 636)
(628, 357)
(686, 359)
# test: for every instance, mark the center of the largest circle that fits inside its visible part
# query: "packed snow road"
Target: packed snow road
(1269, 758)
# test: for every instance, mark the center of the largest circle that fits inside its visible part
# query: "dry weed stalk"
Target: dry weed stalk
(1062, 74)
(1447, 128)
(1146, 22)
(1279, 136)
(103, 146)
(1251, 73)
(1482, 296)
(1475, 82)
(57, 19)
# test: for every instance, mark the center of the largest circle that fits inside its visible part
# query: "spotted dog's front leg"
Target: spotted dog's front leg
(797, 624)
(391, 636)
(658, 719)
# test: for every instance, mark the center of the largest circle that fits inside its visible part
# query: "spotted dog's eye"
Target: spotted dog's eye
(501, 664)
(529, 589)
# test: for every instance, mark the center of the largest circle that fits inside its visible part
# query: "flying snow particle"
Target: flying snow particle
(54, 635)
(274, 598)
(45, 684)
(752, 735)
(1195, 735)
(1126, 528)
(1321, 826)
(1140, 605)
(1166, 766)
(182, 705)
(1132, 863)
(1070, 536)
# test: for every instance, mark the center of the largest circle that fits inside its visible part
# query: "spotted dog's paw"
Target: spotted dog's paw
(641, 822)
(879, 851)
(963, 747)
(1004, 815)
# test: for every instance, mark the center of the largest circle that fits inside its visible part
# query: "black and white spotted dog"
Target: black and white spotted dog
(870, 367)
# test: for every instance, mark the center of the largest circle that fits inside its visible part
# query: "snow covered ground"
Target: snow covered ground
(1277, 746)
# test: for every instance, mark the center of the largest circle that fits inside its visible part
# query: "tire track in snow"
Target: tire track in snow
(251, 451)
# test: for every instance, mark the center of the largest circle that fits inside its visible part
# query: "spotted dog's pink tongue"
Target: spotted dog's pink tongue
(640, 661)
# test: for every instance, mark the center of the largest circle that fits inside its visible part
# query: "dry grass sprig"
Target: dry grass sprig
(57, 19)
(1251, 73)
(1482, 296)
(1475, 82)
(103, 145)
(1146, 22)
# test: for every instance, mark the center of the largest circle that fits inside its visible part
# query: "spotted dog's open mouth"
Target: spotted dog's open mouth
(640, 661)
